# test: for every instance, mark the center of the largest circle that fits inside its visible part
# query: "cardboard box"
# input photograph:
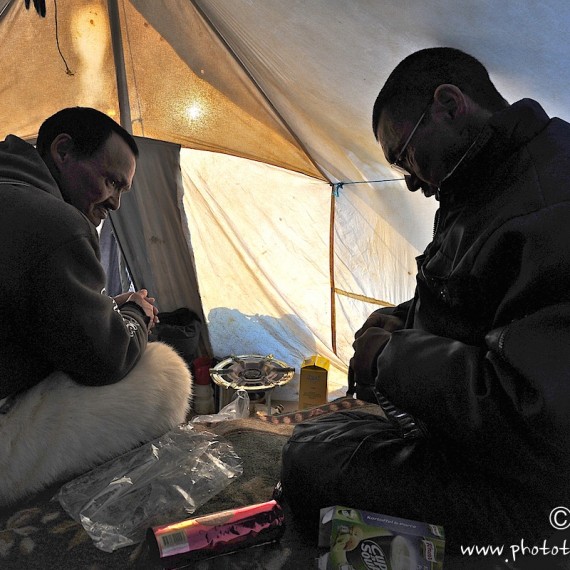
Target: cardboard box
(361, 540)
(313, 382)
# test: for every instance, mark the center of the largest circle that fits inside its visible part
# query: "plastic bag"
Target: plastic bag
(238, 408)
(157, 483)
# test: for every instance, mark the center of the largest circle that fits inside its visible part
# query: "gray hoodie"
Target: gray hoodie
(54, 314)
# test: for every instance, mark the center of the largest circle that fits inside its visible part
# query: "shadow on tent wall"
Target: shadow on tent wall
(286, 337)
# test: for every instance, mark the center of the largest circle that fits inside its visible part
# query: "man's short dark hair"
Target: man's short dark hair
(413, 82)
(88, 128)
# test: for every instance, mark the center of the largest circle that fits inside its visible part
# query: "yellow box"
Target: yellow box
(313, 382)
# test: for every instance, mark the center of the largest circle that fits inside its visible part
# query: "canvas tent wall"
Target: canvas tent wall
(270, 102)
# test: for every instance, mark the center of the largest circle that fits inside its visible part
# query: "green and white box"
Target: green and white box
(362, 540)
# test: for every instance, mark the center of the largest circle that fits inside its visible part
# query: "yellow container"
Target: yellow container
(313, 381)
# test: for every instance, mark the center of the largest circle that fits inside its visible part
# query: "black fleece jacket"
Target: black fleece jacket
(484, 359)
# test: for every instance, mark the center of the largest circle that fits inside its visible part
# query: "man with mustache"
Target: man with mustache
(78, 382)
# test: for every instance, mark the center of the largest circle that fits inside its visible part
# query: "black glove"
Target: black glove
(39, 5)
(382, 320)
(369, 342)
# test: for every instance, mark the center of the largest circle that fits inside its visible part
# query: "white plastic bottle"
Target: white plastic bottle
(203, 392)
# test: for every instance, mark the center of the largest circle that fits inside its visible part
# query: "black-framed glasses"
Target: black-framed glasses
(398, 164)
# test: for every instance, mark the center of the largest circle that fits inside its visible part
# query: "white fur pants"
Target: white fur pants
(59, 429)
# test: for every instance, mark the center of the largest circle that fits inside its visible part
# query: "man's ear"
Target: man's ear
(449, 101)
(61, 148)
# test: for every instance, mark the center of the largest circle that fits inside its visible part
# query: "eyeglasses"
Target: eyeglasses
(398, 164)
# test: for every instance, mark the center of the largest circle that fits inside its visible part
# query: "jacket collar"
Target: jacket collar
(505, 133)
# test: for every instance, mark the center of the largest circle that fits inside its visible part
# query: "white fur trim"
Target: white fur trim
(59, 428)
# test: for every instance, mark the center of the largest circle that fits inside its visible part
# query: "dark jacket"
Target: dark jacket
(54, 314)
(484, 360)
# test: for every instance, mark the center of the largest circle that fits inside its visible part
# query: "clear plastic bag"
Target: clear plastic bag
(238, 408)
(160, 482)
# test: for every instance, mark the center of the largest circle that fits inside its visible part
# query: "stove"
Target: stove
(253, 373)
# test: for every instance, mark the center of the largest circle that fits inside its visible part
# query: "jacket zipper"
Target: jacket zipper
(501, 343)
(436, 222)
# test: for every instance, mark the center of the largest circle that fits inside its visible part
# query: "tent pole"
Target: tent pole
(123, 96)
(120, 72)
(332, 272)
(205, 17)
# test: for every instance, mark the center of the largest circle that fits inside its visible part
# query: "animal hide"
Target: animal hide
(59, 428)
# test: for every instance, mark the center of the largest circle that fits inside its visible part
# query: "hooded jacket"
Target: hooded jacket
(54, 314)
(484, 359)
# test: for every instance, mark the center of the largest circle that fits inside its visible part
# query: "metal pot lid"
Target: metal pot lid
(251, 372)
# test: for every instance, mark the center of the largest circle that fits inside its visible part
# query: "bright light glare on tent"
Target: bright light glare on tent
(194, 111)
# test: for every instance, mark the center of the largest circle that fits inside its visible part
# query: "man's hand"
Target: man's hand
(381, 320)
(145, 302)
(367, 347)
(369, 341)
(122, 298)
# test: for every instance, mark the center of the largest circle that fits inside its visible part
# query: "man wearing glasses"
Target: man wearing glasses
(474, 372)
